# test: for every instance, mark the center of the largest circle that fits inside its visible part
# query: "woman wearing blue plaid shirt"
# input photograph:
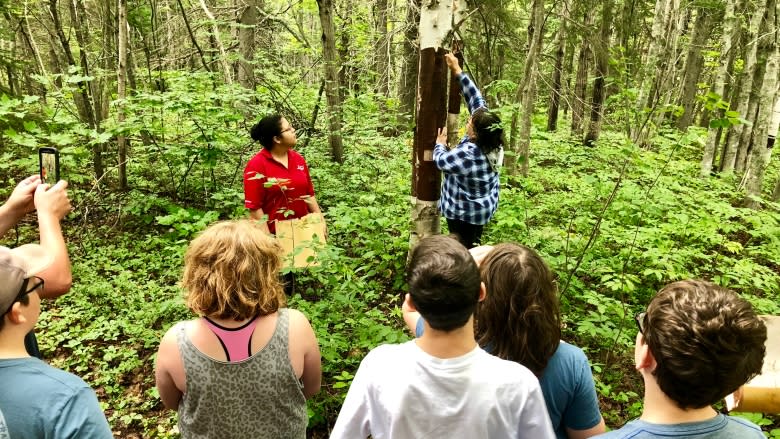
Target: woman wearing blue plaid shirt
(469, 196)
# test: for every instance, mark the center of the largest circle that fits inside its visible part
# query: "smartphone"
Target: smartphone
(49, 165)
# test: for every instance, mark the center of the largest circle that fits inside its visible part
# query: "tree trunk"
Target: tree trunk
(693, 66)
(767, 121)
(410, 52)
(776, 192)
(436, 21)
(730, 23)
(526, 94)
(753, 113)
(560, 52)
(581, 83)
(122, 30)
(741, 98)
(246, 42)
(218, 41)
(381, 50)
(332, 88)
(602, 69)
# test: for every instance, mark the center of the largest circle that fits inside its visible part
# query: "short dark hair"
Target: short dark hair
(24, 300)
(444, 282)
(707, 342)
(488, 130)
(520, 318)
(266, 129)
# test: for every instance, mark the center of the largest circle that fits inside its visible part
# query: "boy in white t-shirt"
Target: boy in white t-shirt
(442, 384)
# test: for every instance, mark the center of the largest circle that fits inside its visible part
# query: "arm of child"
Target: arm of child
(168, 358)
(302, 332)
(52, 204)
(19, 203)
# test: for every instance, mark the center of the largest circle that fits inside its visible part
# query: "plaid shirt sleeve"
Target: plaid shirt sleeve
(458, 160)
(471, 93)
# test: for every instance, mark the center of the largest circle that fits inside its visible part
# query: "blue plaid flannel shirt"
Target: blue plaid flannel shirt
(470, 190)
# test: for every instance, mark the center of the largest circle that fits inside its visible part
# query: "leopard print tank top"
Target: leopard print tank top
(259, 397)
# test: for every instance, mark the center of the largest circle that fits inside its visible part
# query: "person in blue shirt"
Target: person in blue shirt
(519, 320)
(469, 196)
(697, 343)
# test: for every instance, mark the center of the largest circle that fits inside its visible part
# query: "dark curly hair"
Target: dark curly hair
(488, 130)
(707, 342)
(266, 129)
(519, 320)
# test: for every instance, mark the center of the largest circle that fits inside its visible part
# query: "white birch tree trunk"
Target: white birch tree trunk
(437, 18)
(742, 100)
(729, 25)
(768, 119)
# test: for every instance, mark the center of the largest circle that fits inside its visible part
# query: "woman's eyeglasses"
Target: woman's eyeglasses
(28, 286)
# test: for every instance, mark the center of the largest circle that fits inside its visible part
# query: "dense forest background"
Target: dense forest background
(639, 144)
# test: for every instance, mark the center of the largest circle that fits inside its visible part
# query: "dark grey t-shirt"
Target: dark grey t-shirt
(719, 427)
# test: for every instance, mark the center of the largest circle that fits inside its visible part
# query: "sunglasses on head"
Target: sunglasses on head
(29, 285)
(640, 321)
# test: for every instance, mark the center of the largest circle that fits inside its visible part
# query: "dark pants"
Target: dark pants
(469, 234)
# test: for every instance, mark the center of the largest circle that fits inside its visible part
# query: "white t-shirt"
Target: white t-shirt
(399, 391)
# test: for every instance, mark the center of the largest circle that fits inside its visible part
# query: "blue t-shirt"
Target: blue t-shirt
(719, 427)
(567, 386)
(38, 401)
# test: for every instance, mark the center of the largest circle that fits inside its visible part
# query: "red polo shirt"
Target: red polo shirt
(279, 191)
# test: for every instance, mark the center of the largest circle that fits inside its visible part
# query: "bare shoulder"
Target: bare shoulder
(298, 321)
(170, 336)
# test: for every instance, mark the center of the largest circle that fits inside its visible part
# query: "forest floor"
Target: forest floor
(610, 253)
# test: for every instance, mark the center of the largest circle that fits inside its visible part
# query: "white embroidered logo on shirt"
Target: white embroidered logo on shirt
(300, 167)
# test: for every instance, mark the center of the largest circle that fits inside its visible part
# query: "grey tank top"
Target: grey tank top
(259, 397)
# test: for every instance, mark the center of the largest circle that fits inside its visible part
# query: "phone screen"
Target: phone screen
(49, 165)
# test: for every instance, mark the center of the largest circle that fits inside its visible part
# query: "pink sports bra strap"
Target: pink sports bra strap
(237, 342)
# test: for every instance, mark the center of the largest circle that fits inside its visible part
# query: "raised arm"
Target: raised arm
(19, 203)
(470, 91)
(52, 205)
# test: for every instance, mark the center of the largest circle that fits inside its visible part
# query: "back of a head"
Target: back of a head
(266, 129)
(444, 282)
(519, 320)
(707, 342)
(231, 271)
(487, 127)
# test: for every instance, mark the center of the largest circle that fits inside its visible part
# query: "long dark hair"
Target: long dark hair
(266, 129)
(519, 320)
(487, 127)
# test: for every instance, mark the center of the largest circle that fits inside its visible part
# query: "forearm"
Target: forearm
(8, 219)
(311, 203)
(261, 217)
(471, 93)
(58, 276)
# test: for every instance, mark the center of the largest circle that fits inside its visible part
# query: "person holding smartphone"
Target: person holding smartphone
(469, 196)
(52, 204)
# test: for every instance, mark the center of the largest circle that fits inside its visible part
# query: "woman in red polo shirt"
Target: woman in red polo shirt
(276, 179)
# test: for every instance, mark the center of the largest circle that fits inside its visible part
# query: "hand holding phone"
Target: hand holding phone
(49, 165)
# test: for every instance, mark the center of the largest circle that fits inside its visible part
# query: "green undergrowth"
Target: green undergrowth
(615, 223)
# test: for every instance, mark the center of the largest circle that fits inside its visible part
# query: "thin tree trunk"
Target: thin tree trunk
(602, 69)
(526, 94)
(776, 192)
(753, 114)
(581, 83)
(246, 43)
(407, 83)
(382, 49)
(767, 121)
(741, 99)
(693, 66)
(332, 88)
(192, 36)
(122, 28)
(555, 92)
(218, 41)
